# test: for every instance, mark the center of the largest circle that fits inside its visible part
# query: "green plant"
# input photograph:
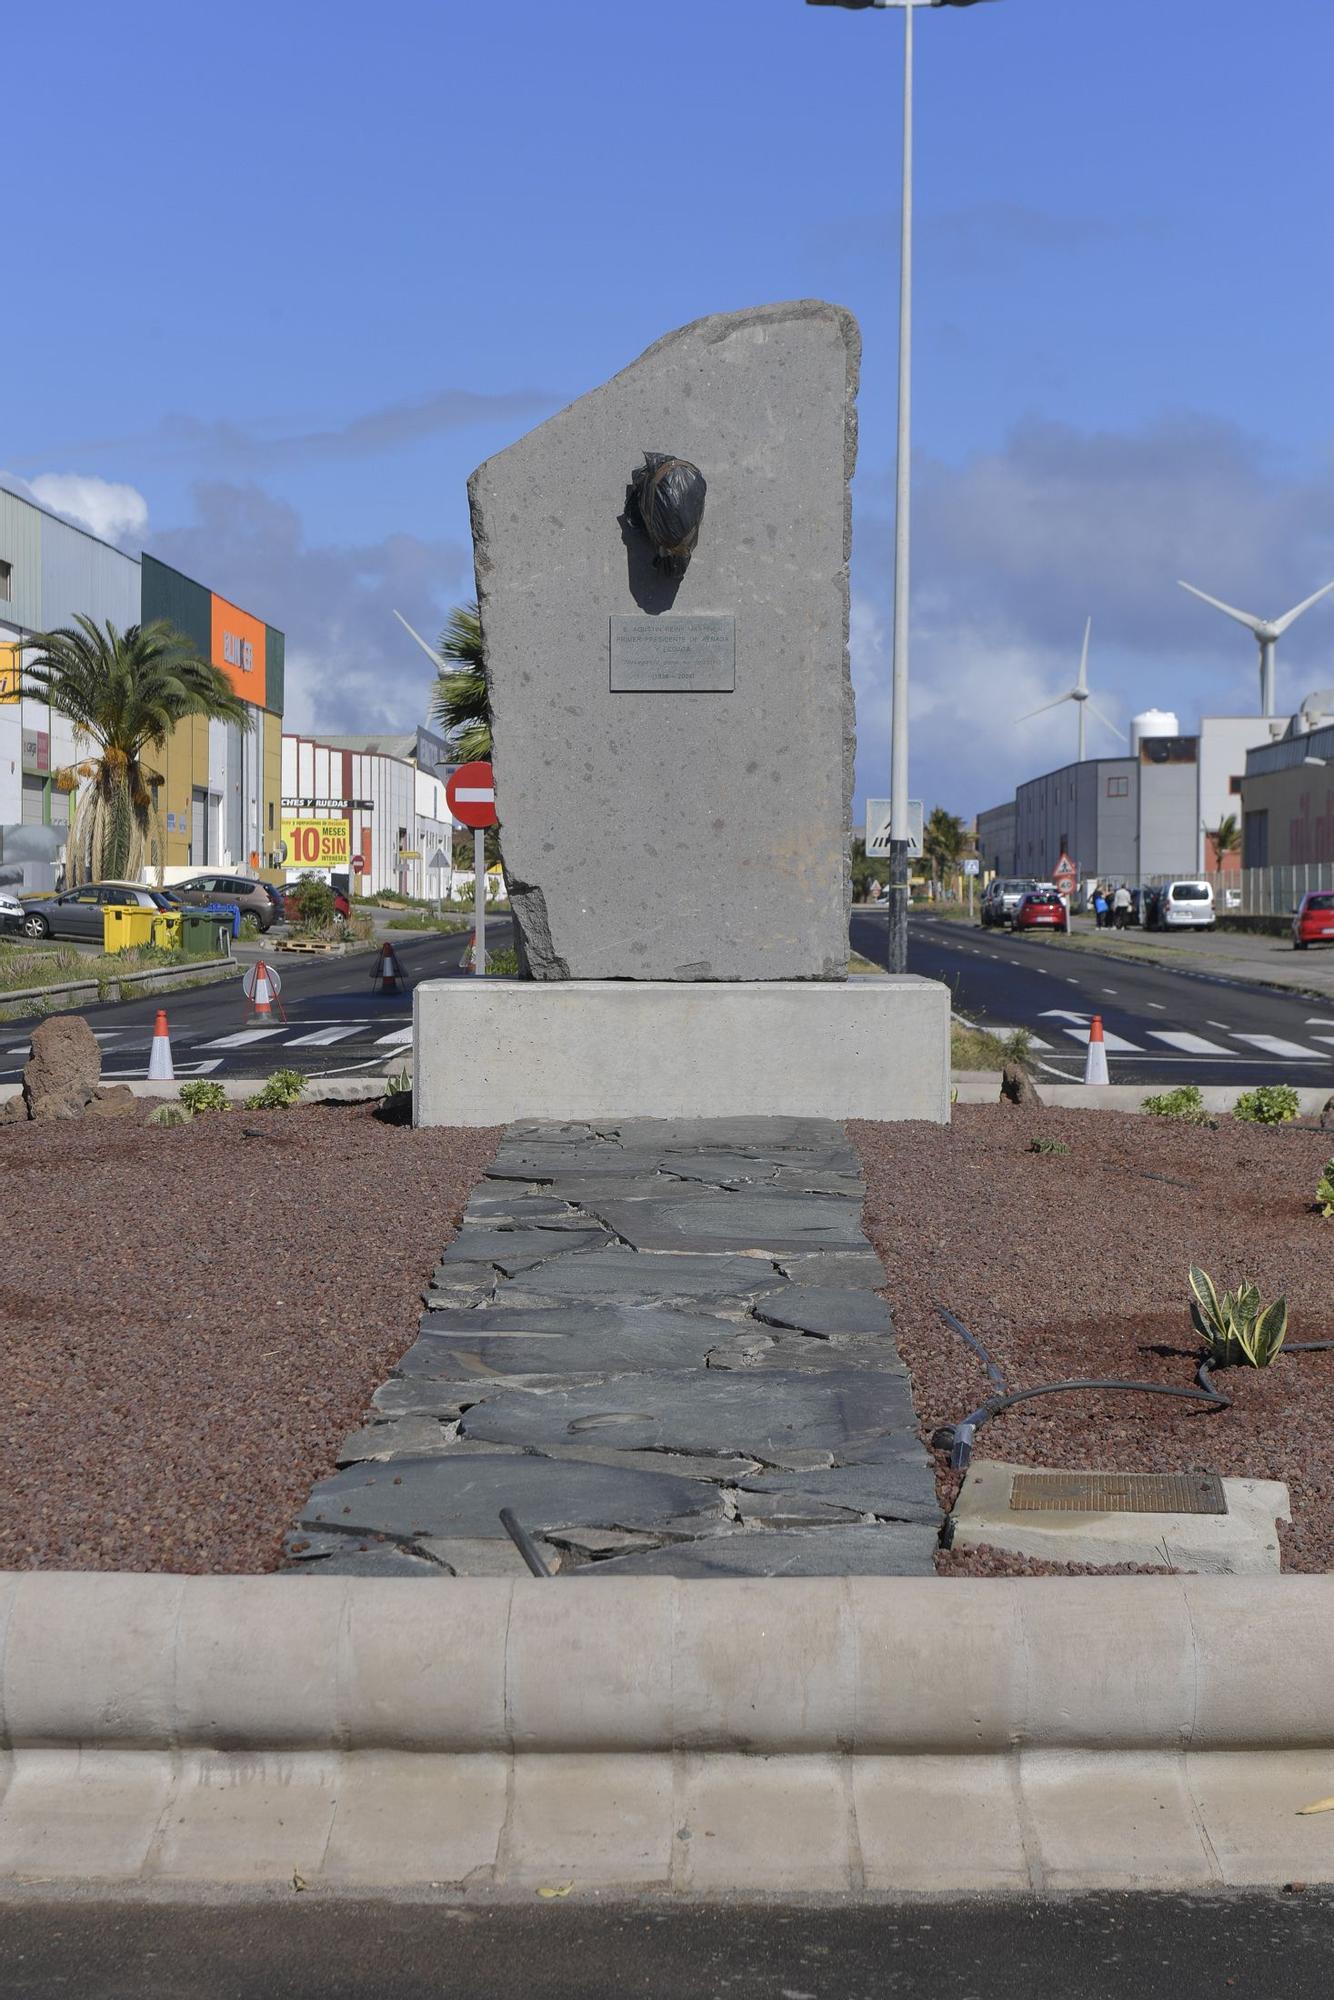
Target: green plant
(1271, 1104)
(504, 963)
(461, 704)
(1235, 1326)
(170, 1114)
(124, 692)
(1324, 1192)
(1185, 1103)
(1017, 1048)
(249, 924)
(398, 1082)
(1047, 1146)
(313, 901)
(283, 1088)
(202, 1096)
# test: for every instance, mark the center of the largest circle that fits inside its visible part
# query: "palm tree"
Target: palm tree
(1227, 836)
(942, 840)
(462, 698)
(124, 692)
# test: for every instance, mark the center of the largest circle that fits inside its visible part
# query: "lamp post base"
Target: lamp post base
(897, 954)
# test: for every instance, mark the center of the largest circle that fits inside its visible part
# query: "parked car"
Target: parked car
(1002, 897)
(1174, 906)
(252, 897)
(11, 912)
(1313, 919)
(342, 908)
(77, 913)
(1040, 910)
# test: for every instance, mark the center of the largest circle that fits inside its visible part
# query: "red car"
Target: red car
(342, 908)
(1040, 910)
(1313, 921)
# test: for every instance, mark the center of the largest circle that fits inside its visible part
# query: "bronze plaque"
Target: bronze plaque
(686, 655)
(1117, 1493)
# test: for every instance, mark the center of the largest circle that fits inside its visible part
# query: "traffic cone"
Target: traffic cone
(1095, 1062)
(159, 1052)
(388, 971)
(263, 1000)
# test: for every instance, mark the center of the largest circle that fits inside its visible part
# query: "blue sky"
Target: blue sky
(287, 272)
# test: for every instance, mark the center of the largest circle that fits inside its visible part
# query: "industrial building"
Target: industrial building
(379, 799)
(1288, 798)
(219, 791)
(1135, 818)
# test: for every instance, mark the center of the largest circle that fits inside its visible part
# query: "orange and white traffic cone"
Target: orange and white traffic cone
(263, 1000)
(159, 1053)
(388, 971)
(1095, 1063)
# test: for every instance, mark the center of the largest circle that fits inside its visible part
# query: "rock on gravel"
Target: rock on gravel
(1074, 1264)
(191, 1321)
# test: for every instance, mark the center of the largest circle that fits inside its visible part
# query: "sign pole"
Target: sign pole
(479, 897)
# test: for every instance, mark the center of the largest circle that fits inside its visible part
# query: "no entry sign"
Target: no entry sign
(471, 795)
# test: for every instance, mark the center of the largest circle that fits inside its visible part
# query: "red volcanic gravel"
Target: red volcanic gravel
(1074, 1264)
(192, 1320)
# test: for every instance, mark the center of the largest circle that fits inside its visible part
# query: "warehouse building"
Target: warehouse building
(1288, 800)
(1137, 818)
(379, 800)
(219, 794)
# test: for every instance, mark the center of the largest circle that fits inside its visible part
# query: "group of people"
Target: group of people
(1112, 912)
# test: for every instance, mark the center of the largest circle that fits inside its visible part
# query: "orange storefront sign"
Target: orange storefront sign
(10, 673)
(238, 648)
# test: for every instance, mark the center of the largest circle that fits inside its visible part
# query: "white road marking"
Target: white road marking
(1226, 1026)
(1056, 1014)
(1110, 991)
(321, 1038)
(398, 1038)
(1157, 1006)
(1314, 1021)
(1192, 1045)
(1003, 1034)
(1115, 1045)
(244, 1037)
(1274, 1045)
(181, 1069)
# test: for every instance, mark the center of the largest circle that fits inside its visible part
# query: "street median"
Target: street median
(834, 1736)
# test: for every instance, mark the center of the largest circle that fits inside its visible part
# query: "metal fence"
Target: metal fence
(1268, 892)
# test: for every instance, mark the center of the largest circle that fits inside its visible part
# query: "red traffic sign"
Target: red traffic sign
(1065, 875)
(358, 864)
(471, 795)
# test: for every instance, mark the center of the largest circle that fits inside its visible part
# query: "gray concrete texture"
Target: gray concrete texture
(726, 1737)
(609, 1049)
(682, 836)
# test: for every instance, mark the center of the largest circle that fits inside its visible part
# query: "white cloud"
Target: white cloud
(105, 507)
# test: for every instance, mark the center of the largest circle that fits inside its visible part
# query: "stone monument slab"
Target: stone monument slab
(684, 815)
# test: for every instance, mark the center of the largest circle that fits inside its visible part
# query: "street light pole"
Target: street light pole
(897, 957)
(897, 952)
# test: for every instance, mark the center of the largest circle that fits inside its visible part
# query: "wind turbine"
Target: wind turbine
(1079, 694)
(429, 651)
(1267, 630)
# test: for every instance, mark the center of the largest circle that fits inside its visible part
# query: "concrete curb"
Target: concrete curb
(319, 1090)
(70, 993)
(832, 1736)
(982, 1086)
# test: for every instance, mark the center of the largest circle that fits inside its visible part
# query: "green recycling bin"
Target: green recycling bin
(202, 935)
(126, 925)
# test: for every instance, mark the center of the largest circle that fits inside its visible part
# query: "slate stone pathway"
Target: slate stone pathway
(661, 1344)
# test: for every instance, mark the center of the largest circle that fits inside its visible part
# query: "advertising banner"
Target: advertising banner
(238, 648)
(9, 673)
(317, 843)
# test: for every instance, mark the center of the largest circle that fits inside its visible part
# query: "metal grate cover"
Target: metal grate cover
(1117, 1493)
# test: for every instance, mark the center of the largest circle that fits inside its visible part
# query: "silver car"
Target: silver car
(77, 913)
(1001, 898)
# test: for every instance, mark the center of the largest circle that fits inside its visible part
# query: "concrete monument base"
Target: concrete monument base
(489, 1051)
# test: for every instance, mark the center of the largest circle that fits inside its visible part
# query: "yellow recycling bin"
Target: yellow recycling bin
(167, 929)
(125, 925)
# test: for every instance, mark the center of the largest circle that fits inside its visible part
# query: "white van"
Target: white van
(1182, 906)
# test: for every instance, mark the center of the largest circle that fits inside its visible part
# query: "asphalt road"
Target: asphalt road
(1162, 1026)
(1098, 1947)
(337, 1023)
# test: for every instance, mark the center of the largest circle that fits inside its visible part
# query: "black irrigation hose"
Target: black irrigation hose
(992, 1370)
(523, 1542)
(959, 1437)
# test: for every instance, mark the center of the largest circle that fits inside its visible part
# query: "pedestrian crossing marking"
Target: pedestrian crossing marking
(243, 1038)
(1192, 1045)
(396, 1040)
(1274, 1045)
(321, 1037)
(1115, 1045)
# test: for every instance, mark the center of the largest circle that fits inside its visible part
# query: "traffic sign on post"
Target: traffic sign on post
(877, 829)
(471, 796)
(358, 864)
